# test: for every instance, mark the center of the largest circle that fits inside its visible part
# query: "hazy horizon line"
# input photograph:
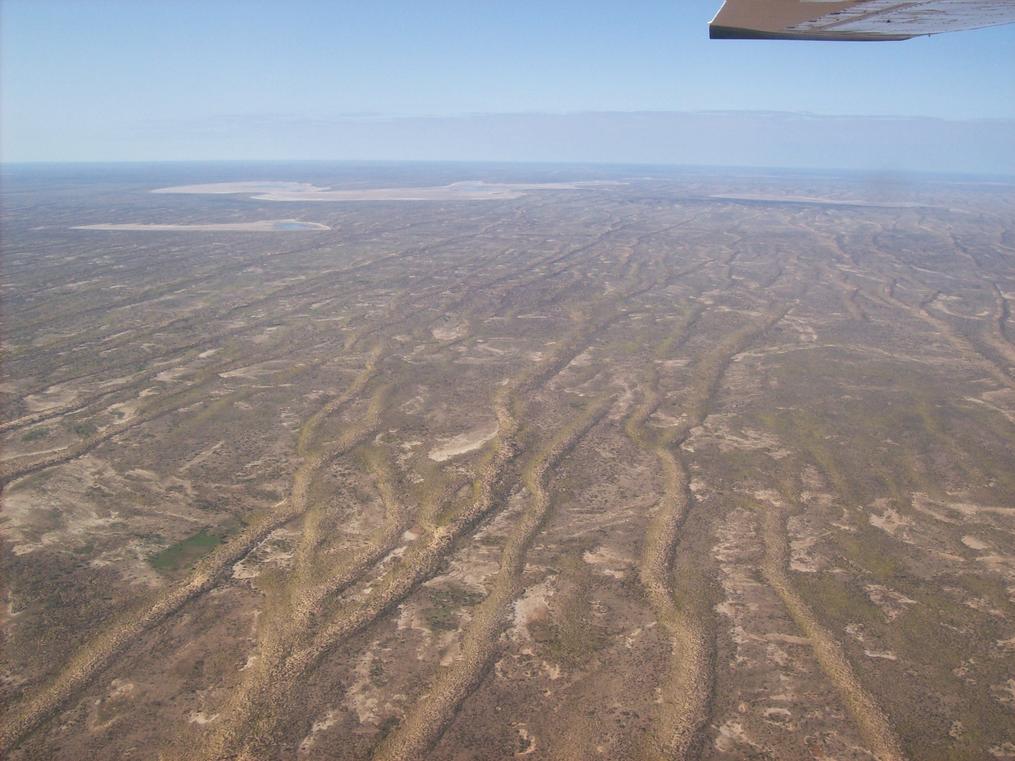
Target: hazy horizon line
(502, 162)
(713, 138)
(354, 116)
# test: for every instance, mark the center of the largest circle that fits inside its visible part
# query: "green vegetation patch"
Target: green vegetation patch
(840, 601)
(35, 434)
(873, 552)
(572, 636)
(442, 613)
(185, 553)
(84, 429)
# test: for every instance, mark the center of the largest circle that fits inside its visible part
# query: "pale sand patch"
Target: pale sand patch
(1003, 565)
(265, 335)
(789, 639)
(770, 496)
(28, 513)
(6, 456)
(984, 605)
(449, 333)
(464, 442)
(893, 523)
(456, 191)
(925, 504)
(984, 403)
(119, 688)
(202, 718)
(888, 655)
(533, 605)
(168, 376)
(660, 419)
(528, 740)
(1005, 692)
(802, 548)
(202, 456)
(747, 439)
(732, 738)
(255, 371)
(608, 562)
(974, 544)
(275, 551)
(51, 398)
(1003, 752)
(318, 726)
(777, 715)
(362, 697)
(258, 186)
(124, 411)
(891, 603)
(410, 617)
(262, 226)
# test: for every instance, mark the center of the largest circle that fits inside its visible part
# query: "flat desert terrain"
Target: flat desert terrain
(302, 191)
(264, 225)
(550, 462)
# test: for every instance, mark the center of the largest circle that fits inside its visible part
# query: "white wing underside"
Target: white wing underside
(856, 20)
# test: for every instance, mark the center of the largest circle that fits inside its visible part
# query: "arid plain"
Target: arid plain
(636, 465)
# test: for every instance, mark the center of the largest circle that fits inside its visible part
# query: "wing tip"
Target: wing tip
(723, 32)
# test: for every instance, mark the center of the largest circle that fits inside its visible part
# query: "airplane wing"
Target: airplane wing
(853, 20)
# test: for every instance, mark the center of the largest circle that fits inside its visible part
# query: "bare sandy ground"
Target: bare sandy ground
(456, 191)
(262, 226)
(224, 188)
(632, 473)
(464, 442)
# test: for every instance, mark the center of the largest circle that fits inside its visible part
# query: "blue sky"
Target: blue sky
(148, 80)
